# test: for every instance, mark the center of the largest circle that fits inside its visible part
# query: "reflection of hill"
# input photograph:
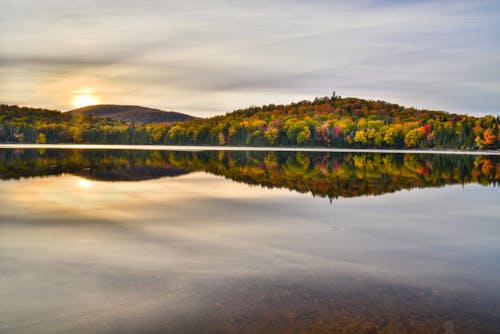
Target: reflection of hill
(323, 174)
(140, 173)
(94, 165)
(345, 174)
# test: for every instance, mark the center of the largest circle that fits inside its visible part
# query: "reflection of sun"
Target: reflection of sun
(84, 184)
(83, 100)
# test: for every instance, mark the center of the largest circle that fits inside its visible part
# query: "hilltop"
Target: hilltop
(131, 114)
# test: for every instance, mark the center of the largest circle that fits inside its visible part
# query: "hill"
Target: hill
(131, 114)
(340, 122)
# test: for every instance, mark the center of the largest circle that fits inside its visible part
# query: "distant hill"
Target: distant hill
(132, 114)
(136, 173)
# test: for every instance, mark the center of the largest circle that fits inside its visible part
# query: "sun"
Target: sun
(83, 100)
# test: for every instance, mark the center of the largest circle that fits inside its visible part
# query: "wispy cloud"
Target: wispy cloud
(207, 58)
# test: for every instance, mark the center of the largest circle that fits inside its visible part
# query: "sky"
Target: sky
(211, 57)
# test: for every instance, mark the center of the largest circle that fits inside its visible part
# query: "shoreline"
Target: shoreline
(236, 148)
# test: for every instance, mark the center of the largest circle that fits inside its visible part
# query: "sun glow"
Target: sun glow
(84, 184)
(83, 100)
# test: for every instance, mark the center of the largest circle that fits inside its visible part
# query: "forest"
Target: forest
(324, 122)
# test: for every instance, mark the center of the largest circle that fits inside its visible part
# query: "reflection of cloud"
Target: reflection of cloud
(90, 197)
(206, 59)
(120, 249)
(231, 221)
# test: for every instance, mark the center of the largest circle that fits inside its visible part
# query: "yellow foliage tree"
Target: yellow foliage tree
(221, 138)
(42, 139)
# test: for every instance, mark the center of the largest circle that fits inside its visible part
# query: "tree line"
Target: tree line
(326, 122)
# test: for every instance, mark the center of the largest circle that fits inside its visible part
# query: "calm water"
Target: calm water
(123, 241)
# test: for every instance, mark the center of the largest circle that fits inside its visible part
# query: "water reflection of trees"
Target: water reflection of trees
(323, 174)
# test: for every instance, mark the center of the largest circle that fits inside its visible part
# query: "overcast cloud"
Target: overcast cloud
(208, 58)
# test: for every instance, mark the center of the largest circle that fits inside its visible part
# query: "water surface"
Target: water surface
(99, 241)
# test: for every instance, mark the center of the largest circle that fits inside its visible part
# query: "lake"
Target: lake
(210, 241)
